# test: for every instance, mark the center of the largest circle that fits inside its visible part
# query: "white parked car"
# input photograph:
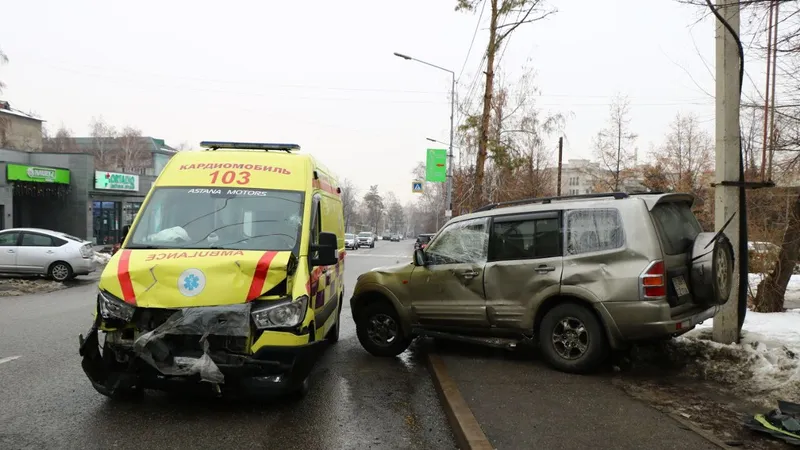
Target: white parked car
(35, 251)
(350, 241)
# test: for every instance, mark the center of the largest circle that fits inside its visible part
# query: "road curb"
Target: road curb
(708, 436)
(466, 429)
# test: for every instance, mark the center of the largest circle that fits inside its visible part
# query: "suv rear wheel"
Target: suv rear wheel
(379, 331)
(571, 339)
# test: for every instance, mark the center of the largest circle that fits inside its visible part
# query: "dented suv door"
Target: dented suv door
(524, 267)
(448, 290)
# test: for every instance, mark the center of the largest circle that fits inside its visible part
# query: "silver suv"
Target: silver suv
(578, 275)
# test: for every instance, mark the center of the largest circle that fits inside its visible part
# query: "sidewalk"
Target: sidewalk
(519, 403)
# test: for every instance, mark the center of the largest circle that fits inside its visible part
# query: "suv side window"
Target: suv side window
(530, 237)
(460, 243)
(593, 230)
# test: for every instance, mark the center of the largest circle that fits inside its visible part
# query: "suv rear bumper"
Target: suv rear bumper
(644, 320)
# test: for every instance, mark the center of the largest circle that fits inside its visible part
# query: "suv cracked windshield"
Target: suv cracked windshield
(231, 219)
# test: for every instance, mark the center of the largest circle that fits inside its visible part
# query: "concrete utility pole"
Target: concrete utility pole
(728, 155)
(560, 164)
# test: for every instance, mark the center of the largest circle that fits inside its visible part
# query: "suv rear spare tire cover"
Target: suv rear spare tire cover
(711, 269)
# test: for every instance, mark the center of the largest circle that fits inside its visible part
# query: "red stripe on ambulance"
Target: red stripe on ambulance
(260, 275)
(124, 277)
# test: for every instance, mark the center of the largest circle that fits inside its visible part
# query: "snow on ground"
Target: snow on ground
(765, 365)
(101, 258)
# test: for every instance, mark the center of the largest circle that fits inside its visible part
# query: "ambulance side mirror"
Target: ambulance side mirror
(326, 250)
(125, 230)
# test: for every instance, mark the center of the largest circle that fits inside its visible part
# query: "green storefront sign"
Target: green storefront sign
(36, 174)
(114, 181)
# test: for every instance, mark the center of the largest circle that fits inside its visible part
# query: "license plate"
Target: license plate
(680, 286)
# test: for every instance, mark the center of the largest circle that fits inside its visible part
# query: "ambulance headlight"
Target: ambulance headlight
(111, 307)
(280, 315)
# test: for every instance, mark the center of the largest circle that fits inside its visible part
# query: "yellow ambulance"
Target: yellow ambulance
(230, 277)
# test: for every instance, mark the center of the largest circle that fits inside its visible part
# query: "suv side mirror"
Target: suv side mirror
(326, 250)
(419, 258)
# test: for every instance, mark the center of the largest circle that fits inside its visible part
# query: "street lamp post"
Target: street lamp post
(449, 187)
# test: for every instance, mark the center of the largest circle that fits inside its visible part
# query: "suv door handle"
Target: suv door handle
(10, 251)
(468, 274)
(545, 268)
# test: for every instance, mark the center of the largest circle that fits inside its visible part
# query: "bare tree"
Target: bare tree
(614, 147)
(61, 142)
(349, 201)
(134, 153)
(3, 60)
(687, 154)
(501, 26)
(103, 136)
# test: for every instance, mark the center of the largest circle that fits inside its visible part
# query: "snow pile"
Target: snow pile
(101, 258)
(765, 365)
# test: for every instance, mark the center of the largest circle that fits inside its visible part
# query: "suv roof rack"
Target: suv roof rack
(214, 145)
(615, 195)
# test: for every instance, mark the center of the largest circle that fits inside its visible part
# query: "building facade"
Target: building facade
(64, 192)
(18, 130)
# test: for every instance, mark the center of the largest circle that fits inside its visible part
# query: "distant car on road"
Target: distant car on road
(350, 241)
(36, 251)
(387, 237)
(422, 240)
(395, 238)
(366, 239)
(582, 276)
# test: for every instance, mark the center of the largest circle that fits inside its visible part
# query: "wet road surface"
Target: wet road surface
(356, 400)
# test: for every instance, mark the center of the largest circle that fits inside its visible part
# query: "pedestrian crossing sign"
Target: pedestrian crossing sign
(416, 187)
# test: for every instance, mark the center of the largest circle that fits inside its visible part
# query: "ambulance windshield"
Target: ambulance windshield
(220, 218)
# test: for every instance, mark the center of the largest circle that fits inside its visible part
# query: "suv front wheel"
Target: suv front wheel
(571, 339)
(379, 331)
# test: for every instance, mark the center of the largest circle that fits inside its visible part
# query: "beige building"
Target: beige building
(18, 130)
(580, 176)
(577, 176)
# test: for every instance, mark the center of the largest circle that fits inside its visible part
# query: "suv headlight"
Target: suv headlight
(111, 307)
(280, 315)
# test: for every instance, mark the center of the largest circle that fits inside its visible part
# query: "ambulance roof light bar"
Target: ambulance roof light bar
(214, 145)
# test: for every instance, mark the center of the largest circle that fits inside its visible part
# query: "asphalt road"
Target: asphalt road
(356, 400)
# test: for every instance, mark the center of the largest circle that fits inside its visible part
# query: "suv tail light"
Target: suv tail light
(86, 251)
(653, 281)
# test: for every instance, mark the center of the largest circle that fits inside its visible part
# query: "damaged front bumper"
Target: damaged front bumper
(203, 347)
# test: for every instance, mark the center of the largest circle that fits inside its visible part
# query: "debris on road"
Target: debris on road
(782, 423)
(716, 384)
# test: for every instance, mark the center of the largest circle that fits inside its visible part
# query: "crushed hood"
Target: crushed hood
(185, 278)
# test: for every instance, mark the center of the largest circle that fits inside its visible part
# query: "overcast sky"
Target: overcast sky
(322, 74)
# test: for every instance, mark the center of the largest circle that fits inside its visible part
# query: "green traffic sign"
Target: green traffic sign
(436, 165)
